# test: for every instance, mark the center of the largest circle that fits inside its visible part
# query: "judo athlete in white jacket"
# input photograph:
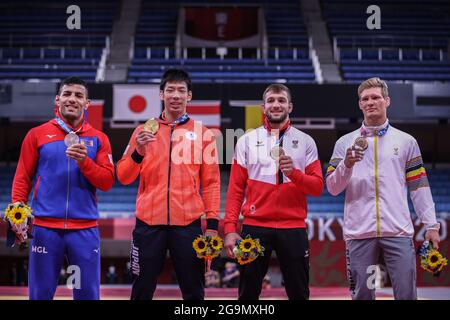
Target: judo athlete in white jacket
(377, 164)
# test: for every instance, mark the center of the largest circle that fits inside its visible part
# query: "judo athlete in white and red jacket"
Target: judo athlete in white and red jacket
(274, 168)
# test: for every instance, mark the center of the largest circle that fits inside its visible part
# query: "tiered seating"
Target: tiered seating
(288, 56)
(285, 28)
(410, 46)
(156, 27)
(427, 69)
(36, 44)
(46, 63)
(120, 201)
(226, 70)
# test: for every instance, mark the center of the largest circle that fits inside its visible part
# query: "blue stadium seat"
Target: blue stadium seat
(430, 55)
(369, 54)
(52, 53)
(31, 53)
(349, 54)
(10, 53)
(72, 53)
(390, 54)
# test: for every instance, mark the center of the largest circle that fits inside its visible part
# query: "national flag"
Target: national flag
(208, 112)
(94, 114)
(136, 102)
(253, 114)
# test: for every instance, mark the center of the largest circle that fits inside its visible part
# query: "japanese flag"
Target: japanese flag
(136, 102)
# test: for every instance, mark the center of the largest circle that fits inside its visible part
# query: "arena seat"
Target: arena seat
(38, 36)
(288, 55)
(410, 31)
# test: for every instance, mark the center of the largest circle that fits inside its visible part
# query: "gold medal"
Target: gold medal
(152, 126)
(276, 152)
(361, 142)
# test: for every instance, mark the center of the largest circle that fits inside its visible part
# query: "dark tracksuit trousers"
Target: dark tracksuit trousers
(292, 249)
(148, 253)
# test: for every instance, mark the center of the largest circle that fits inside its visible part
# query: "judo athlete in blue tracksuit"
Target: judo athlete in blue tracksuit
(68, 160)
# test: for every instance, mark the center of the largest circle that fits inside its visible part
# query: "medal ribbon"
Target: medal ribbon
(184, 118)
(64, 126)
(280, 139)
(367, 132)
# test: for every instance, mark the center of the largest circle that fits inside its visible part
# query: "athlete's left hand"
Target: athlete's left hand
(211, 233)
(286, 165)
(433, 236)
(78, 152)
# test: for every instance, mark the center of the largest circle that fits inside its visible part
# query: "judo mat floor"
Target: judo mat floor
(172, 292)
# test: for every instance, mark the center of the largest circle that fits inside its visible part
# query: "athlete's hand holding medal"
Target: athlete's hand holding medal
(147, 135)
(356, 152)
(75, 149)
(283, 161)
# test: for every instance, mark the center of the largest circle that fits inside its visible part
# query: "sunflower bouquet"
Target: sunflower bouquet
(247, 250)
(207, 248)
(18, 216)
(431, 260)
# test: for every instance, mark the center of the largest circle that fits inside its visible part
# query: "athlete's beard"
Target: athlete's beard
(276, 120)
(70, 118)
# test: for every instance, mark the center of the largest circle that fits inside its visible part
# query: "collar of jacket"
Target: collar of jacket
(377, 130)
(162, 120)
(82, 126)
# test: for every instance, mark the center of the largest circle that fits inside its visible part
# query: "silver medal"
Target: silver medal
(70, 139)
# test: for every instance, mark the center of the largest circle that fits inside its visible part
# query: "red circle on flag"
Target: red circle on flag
(137, 104)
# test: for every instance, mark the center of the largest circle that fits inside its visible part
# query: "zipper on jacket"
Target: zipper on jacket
(68, 188)
(172, 126)
(279, 182)
(377, 202)
(280, 173)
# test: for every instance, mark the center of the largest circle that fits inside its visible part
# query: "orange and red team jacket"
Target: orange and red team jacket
(181, 161)
(258, 189)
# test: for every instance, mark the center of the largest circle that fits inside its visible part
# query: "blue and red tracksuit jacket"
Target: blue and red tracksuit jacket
(64, 191)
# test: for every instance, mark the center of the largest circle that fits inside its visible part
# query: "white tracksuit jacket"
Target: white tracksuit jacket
(376, 203)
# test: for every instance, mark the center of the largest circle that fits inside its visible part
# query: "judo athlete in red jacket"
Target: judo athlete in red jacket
(68, 160)
(275, 168)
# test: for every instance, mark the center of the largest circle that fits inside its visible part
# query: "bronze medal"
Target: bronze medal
(276, 152)
(152, 126)
(361, 142)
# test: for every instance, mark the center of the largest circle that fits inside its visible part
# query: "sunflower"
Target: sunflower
(243, 260)
(216, 243)
(440, 267)
(199, 245)
(17, 213)
(443, 264)
(434, 258)
(247, 244)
